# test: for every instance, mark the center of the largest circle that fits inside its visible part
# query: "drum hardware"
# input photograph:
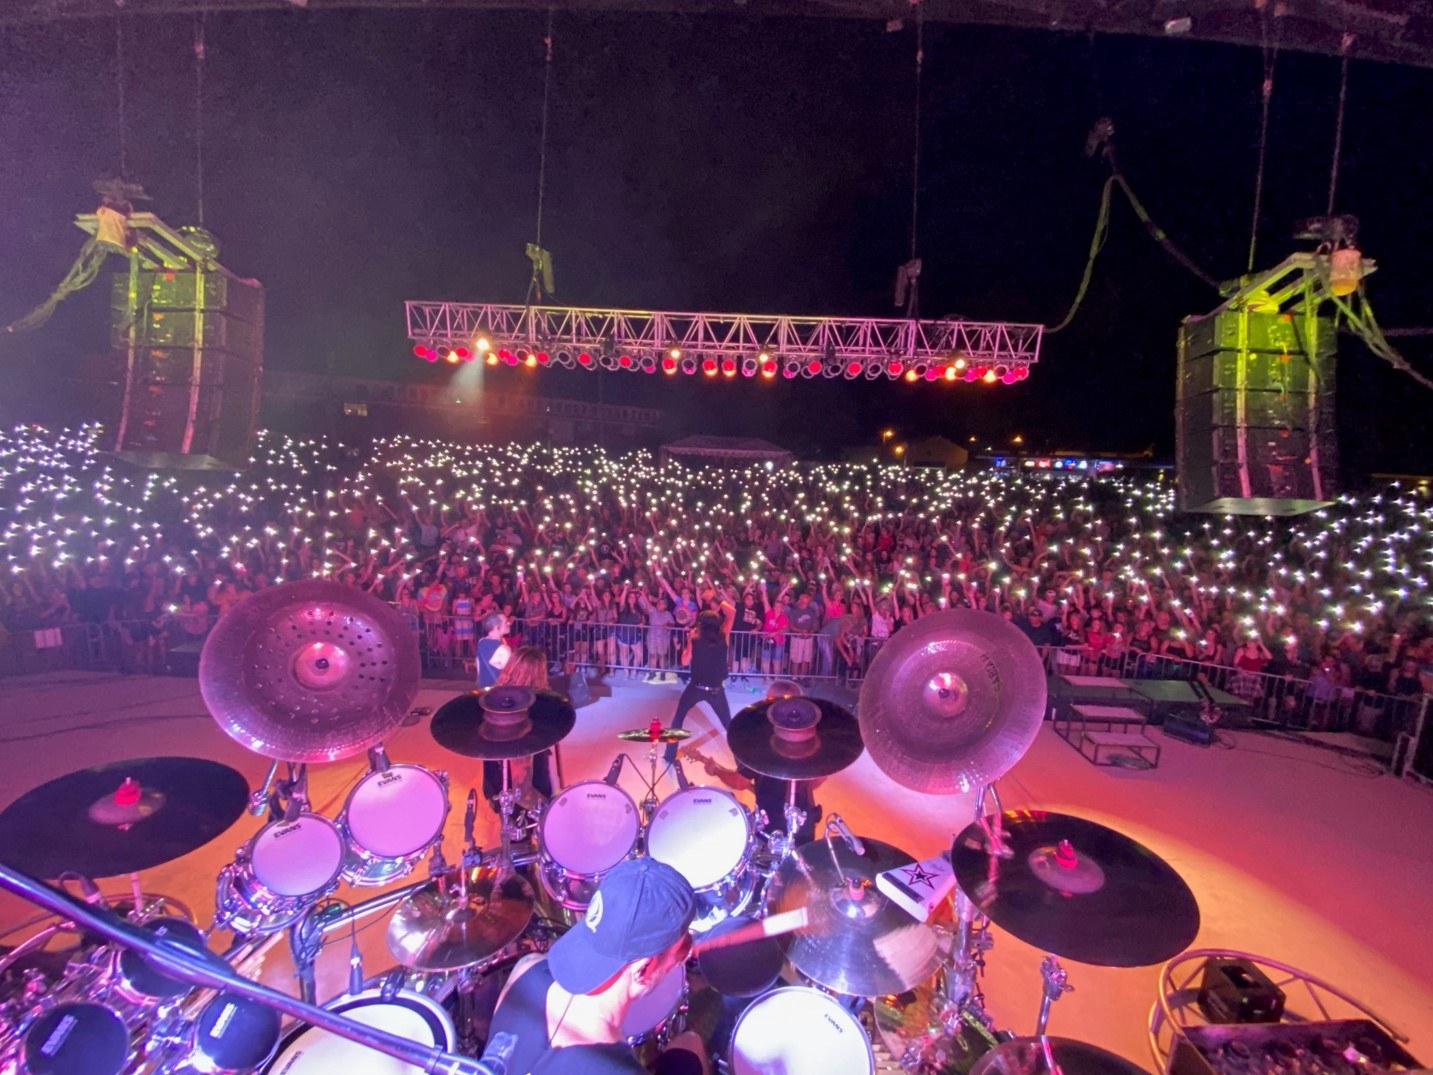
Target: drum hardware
(1028, 1056)
(952, 702)
(655, 735)
(706, 835)
(309, 671)
(1057, 984)
(583, 832)
(460, 919)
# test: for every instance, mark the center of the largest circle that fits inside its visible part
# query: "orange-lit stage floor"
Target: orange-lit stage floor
(1293, 852)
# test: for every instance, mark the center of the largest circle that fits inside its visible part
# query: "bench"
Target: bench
(1136, 743)
(1109, 717)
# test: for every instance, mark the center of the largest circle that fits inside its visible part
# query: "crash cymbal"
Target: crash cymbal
(951, 702)
(795, 738)
(858, 942)
(1078, 890)
(309, 671)
(476, 725)
(650, 735)
(442, 928)
(1026, 1056)
(121, 818)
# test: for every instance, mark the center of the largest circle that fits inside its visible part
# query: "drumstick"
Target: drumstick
(774, 926)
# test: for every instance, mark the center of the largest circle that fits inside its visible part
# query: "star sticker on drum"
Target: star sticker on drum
(917, 875)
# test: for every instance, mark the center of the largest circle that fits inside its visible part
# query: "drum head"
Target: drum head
(142, 977)
(799, 1031)
(702, 833)
(396, 812)
(741, 970)
(590, 827)
(76, 1039)
(314, 1051)
(652, 1009)
(235, 1033)
(298, 857)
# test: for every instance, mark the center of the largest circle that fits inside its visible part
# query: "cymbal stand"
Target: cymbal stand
(782, 845)
(972, 934)
(507, 803)
(1057, 984)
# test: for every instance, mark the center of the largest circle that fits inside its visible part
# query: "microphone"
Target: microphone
(494, 1060)
(355, 969)
(260, 798)
(615, 771)
(852, 840)
(470, 817)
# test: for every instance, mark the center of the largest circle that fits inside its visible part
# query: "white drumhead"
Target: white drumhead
(701, 832)
(396, 812)
(314, 1051)
(297, 857)
(590, 827)
(652, 1008)
(799, 1031)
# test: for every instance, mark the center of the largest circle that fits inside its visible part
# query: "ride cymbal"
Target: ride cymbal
(121, 818)
(309, 671)
(951, 702)
(858, 942)
(492, 725)
(796, 738)
(443, 927)
(1078, 890)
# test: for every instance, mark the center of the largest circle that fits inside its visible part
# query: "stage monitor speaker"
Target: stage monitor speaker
(1254, 418)
(191, 345)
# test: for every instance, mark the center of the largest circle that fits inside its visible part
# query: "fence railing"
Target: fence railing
(170, 644)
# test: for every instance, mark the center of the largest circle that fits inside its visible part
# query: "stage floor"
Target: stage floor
(1293, 852)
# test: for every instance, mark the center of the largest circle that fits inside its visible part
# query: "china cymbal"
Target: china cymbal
(647, 735)
(797, 738)
(121, 818)
(859, 942)
(502, 722)
(443, 928)
(1026, 1056)
(1078, 890)
(309, 671)
(952, 702)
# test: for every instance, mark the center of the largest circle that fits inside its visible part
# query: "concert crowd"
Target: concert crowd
(606, 560)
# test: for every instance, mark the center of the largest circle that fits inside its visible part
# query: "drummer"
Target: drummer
(566, 1008)
(771, 792)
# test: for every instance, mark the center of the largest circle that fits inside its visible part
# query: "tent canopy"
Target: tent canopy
(725, 451)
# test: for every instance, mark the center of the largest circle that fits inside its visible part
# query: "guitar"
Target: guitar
(689, 752)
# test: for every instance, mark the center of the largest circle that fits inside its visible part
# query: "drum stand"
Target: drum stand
(782, 845)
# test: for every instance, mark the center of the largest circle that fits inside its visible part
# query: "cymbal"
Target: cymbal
(121, 818)
(309, 671)
(951, 702)
(467, 726)
(859, 942)
(439, 928)
(1078, 890)
(1026, 1056)
(910, 1023)
(779, 738)
(646, 735)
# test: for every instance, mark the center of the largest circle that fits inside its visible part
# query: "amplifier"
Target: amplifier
(1236, 991)
(1333, 1047)
(1190, 730)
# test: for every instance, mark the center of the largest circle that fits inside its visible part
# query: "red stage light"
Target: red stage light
(669, 365)
(544, 357)
(853, 369)
(895, 368)
(584, 358)
(814, 366)
(625, 361)
(463, 353)
(768, 369)
(932, 373)
(514, 359)
(728, 367)
(709, 367)
(971, 374)
(423, 352)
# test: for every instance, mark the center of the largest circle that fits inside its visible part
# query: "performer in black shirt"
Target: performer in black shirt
(706, 653)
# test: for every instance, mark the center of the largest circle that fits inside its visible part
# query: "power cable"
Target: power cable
(1097, 242)
(1338, 120)
(119, 89)
(200, 56)
(1155, 231)
(539, 256)
(1271, 57)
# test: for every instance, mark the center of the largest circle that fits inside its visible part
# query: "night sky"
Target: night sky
(355, 160)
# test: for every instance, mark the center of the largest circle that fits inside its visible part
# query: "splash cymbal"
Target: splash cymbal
(309, 671)
(445, 927)
(951, 702)
(1078, 890)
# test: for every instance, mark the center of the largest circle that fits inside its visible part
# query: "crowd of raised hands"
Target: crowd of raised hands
(619, 554)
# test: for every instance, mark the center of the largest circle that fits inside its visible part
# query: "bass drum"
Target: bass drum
(799, 1031)
(585, 831)
(312, 1050)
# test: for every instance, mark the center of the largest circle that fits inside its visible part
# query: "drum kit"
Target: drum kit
(820, 956)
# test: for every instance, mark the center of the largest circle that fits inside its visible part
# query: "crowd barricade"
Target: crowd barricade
(159, 645)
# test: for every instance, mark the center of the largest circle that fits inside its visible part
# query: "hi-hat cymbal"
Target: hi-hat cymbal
(647, 735)
(468, 726)
(121, 818)
(1078, 890)
(443, 928)
(309, 671)
(1026, 1056)
(795, 738)
(952, 702)
(858, 942)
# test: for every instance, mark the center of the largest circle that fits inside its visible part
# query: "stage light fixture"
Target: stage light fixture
(625, 361)
(647, 364)
(689, 365)
(543, 358)
(669, 365)
(584, 358)
(423, 351)
(675, 352)
(950, 373)
(960, 362)
(451, 356)
(853, 369)
(791, 368)
(1008, 377)
(971, 374)
(988, 377)
(895, 367)
(813, 367)
(913, 375)
(748, 367)
(728, 367)
(709, 367)
(530, 361)
(933, 373)
(481, 345)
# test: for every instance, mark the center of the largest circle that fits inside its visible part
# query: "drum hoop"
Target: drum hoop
(855, 1023)
(743, 860)
(345, 828)
(434, 1016)
(703, 789)
(251, 869)
(679, 973)
(552, 803)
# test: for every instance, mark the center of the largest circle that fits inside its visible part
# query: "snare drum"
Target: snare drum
(78, 1038)
(312, 1050)
(706, 836)
(584, 832)
(391, 819)
(279, 874)
(799, 1031)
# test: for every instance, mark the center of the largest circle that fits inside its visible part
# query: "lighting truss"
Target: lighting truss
(652, 341)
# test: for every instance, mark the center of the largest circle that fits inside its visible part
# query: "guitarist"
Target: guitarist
(770, 792)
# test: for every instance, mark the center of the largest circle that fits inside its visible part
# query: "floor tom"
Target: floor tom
(799, 1031)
